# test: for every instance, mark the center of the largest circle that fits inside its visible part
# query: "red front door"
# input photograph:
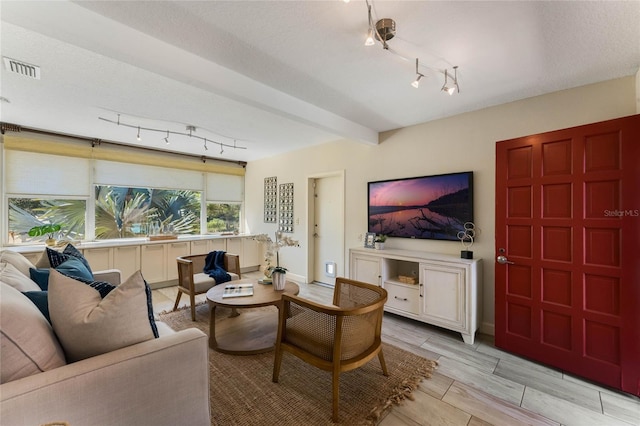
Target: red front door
(567, 266)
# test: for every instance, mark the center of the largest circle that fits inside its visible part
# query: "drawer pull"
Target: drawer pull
(404, 299)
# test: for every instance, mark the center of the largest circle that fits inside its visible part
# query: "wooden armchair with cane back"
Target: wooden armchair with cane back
(336, 338)
(192, 280)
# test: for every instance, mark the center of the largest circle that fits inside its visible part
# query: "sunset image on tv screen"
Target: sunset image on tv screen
(433, 207)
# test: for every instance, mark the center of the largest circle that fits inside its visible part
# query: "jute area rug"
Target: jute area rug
(243, 394)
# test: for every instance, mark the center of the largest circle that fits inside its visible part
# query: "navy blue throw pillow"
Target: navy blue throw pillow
(72, 251)
(56, 258)
(41, 277)
(41, 300)
(72, 267)
(75, 268)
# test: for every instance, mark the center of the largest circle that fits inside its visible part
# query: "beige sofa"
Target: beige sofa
(161, 381)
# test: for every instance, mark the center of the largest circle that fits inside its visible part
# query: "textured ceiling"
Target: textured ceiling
(274, 76)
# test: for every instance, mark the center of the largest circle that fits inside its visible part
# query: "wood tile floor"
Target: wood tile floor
(479, 384)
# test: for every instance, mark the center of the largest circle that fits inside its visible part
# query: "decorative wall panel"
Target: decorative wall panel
(271, 199)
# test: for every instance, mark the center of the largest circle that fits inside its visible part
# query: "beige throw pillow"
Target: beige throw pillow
(27, 342)
(9, 274)
(18, 260)
(88, 325)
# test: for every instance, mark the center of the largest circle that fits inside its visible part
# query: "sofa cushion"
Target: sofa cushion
(27, 342)
(87, 324)
(10, 275)
(21, 263)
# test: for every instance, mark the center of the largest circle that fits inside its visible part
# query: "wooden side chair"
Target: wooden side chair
(192, 281)
(334, 338)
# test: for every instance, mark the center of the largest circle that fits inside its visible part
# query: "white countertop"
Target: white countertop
(125, 242)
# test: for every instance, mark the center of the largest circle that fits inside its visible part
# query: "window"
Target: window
(25, 213)
(124, 212)
(223, 217)
(92, 194)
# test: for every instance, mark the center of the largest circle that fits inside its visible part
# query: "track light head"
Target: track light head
(451, 86)
(370, 41)
(416, 82)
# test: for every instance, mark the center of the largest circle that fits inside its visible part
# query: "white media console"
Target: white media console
(433, 288)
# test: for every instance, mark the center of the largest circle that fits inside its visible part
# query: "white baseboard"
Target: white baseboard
(488, 328)
(297, 278)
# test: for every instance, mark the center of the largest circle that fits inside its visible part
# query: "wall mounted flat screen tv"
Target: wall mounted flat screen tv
(430, 207)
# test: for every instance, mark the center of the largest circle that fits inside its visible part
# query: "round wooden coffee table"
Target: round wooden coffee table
(251, 332)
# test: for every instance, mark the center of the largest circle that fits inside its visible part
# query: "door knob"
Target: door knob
(503, 260)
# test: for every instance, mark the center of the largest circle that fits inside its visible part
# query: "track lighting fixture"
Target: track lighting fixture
(384, 30)
(190, 133)
(452, 86)
(416, 82)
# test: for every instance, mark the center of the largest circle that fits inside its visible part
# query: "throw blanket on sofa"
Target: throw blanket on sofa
(214, 267)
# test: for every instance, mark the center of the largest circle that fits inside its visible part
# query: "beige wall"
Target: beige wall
(638, 92)
(461, 143)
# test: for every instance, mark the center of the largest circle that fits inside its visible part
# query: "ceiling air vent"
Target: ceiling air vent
(22, 68)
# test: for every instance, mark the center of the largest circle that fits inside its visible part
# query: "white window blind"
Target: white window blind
(225, 188)
(125, 174)
(33, 173)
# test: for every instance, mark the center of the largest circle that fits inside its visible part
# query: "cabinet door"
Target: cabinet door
(234, 246)
(365, 269)
(153, 260)
(250, 252)
(200, 247)
(443, 301)
(175, 250)
(217, 244)
(99, 258)
(127, 260)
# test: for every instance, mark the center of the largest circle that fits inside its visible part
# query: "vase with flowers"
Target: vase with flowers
(277, 273)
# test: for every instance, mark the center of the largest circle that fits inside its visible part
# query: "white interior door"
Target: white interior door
(328, 226)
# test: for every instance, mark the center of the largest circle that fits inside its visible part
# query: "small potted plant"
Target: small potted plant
(278, 275)
(275, 274)
(379, 242)
(48, 229)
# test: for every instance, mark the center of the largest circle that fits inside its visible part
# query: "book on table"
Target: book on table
(237, 290)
